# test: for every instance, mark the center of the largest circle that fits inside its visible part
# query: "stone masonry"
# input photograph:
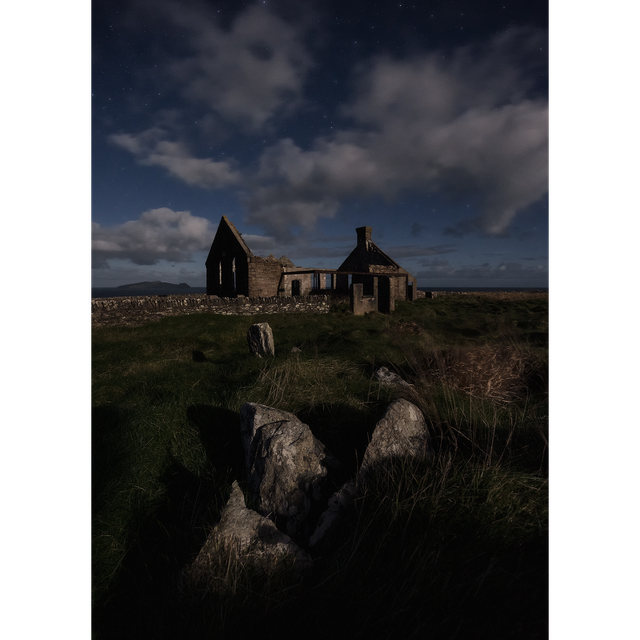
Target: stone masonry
(137, 310)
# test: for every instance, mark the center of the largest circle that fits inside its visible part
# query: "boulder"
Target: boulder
(338, 502)
(247, 536)
(253, 416)
(402, 431)
(287, 467)
(260, 339)
(388, 378)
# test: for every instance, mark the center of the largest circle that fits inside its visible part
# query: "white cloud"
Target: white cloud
(159, 234)
(246, 74)
(150, 148)
(457, 125)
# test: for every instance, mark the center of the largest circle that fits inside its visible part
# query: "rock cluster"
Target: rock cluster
(289, 478)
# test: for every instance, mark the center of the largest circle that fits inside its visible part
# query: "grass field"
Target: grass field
(454, 546)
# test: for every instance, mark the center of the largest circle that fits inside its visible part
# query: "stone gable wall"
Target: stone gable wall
(264, 276)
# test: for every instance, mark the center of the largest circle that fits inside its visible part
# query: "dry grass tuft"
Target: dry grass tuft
(494, 372)
(299, 383)
(228, 569)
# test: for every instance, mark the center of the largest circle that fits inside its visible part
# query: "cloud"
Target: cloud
(412, 251)
(159, 234)
(465, 124)
(246, 73)
(151, 149)
(441, 269)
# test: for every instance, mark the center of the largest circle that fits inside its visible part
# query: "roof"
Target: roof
(226, 228)
(365, 255)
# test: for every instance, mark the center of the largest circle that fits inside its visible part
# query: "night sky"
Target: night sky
(303, 120)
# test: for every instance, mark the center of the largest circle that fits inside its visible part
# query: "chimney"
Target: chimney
(364, 235)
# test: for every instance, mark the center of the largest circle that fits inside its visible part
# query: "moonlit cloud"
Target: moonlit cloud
(235, 101)
(159, 234)
(459, 125)
(246, 74)
(150, 148)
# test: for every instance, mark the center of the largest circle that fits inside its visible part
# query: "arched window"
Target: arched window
(233, 269)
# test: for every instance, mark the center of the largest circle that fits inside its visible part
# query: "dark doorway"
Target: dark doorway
(295, 287)
(384, 294)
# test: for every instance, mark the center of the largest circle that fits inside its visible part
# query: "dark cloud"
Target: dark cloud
(417, 229)
(409, 251)
(441, 269)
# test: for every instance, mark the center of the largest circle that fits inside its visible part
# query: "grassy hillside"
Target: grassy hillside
(450, 547)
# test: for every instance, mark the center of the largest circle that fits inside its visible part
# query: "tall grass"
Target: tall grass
(452, 544)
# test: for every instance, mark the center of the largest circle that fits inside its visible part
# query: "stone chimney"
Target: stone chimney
(364, 235)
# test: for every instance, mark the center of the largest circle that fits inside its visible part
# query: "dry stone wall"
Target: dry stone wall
(137, 310)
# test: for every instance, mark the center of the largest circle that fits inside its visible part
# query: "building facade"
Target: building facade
(372, 279)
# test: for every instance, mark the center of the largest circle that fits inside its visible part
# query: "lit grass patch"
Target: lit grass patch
(453, 544)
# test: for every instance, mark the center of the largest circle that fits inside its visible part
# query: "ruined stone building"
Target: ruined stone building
(372, 279)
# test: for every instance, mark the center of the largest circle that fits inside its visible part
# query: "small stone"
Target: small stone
(260, 339)
(388, 378)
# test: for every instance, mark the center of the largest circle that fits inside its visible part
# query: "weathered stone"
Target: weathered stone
(286, 466)
(260, 339)
(388, 378)
(402, 431)
(249, 536)
(338, 502)
(253, 416)
(139, 310)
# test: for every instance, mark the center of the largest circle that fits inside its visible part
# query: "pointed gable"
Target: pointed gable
(367, 254)
(228, 240)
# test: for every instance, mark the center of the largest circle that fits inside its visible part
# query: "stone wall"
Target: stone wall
(264, 276)
(137, 310)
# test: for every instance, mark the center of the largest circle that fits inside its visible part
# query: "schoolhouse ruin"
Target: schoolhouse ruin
(372, 279)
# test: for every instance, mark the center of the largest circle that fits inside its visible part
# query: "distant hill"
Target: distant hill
(156, 284)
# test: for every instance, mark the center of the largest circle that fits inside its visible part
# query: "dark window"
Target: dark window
(367, 286)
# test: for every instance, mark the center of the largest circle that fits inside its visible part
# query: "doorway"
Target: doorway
(384, 294)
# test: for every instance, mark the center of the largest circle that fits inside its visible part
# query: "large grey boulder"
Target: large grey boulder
(287, 467)
(254, 416)
(401, 432)
(260, 339)
(247, 536)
